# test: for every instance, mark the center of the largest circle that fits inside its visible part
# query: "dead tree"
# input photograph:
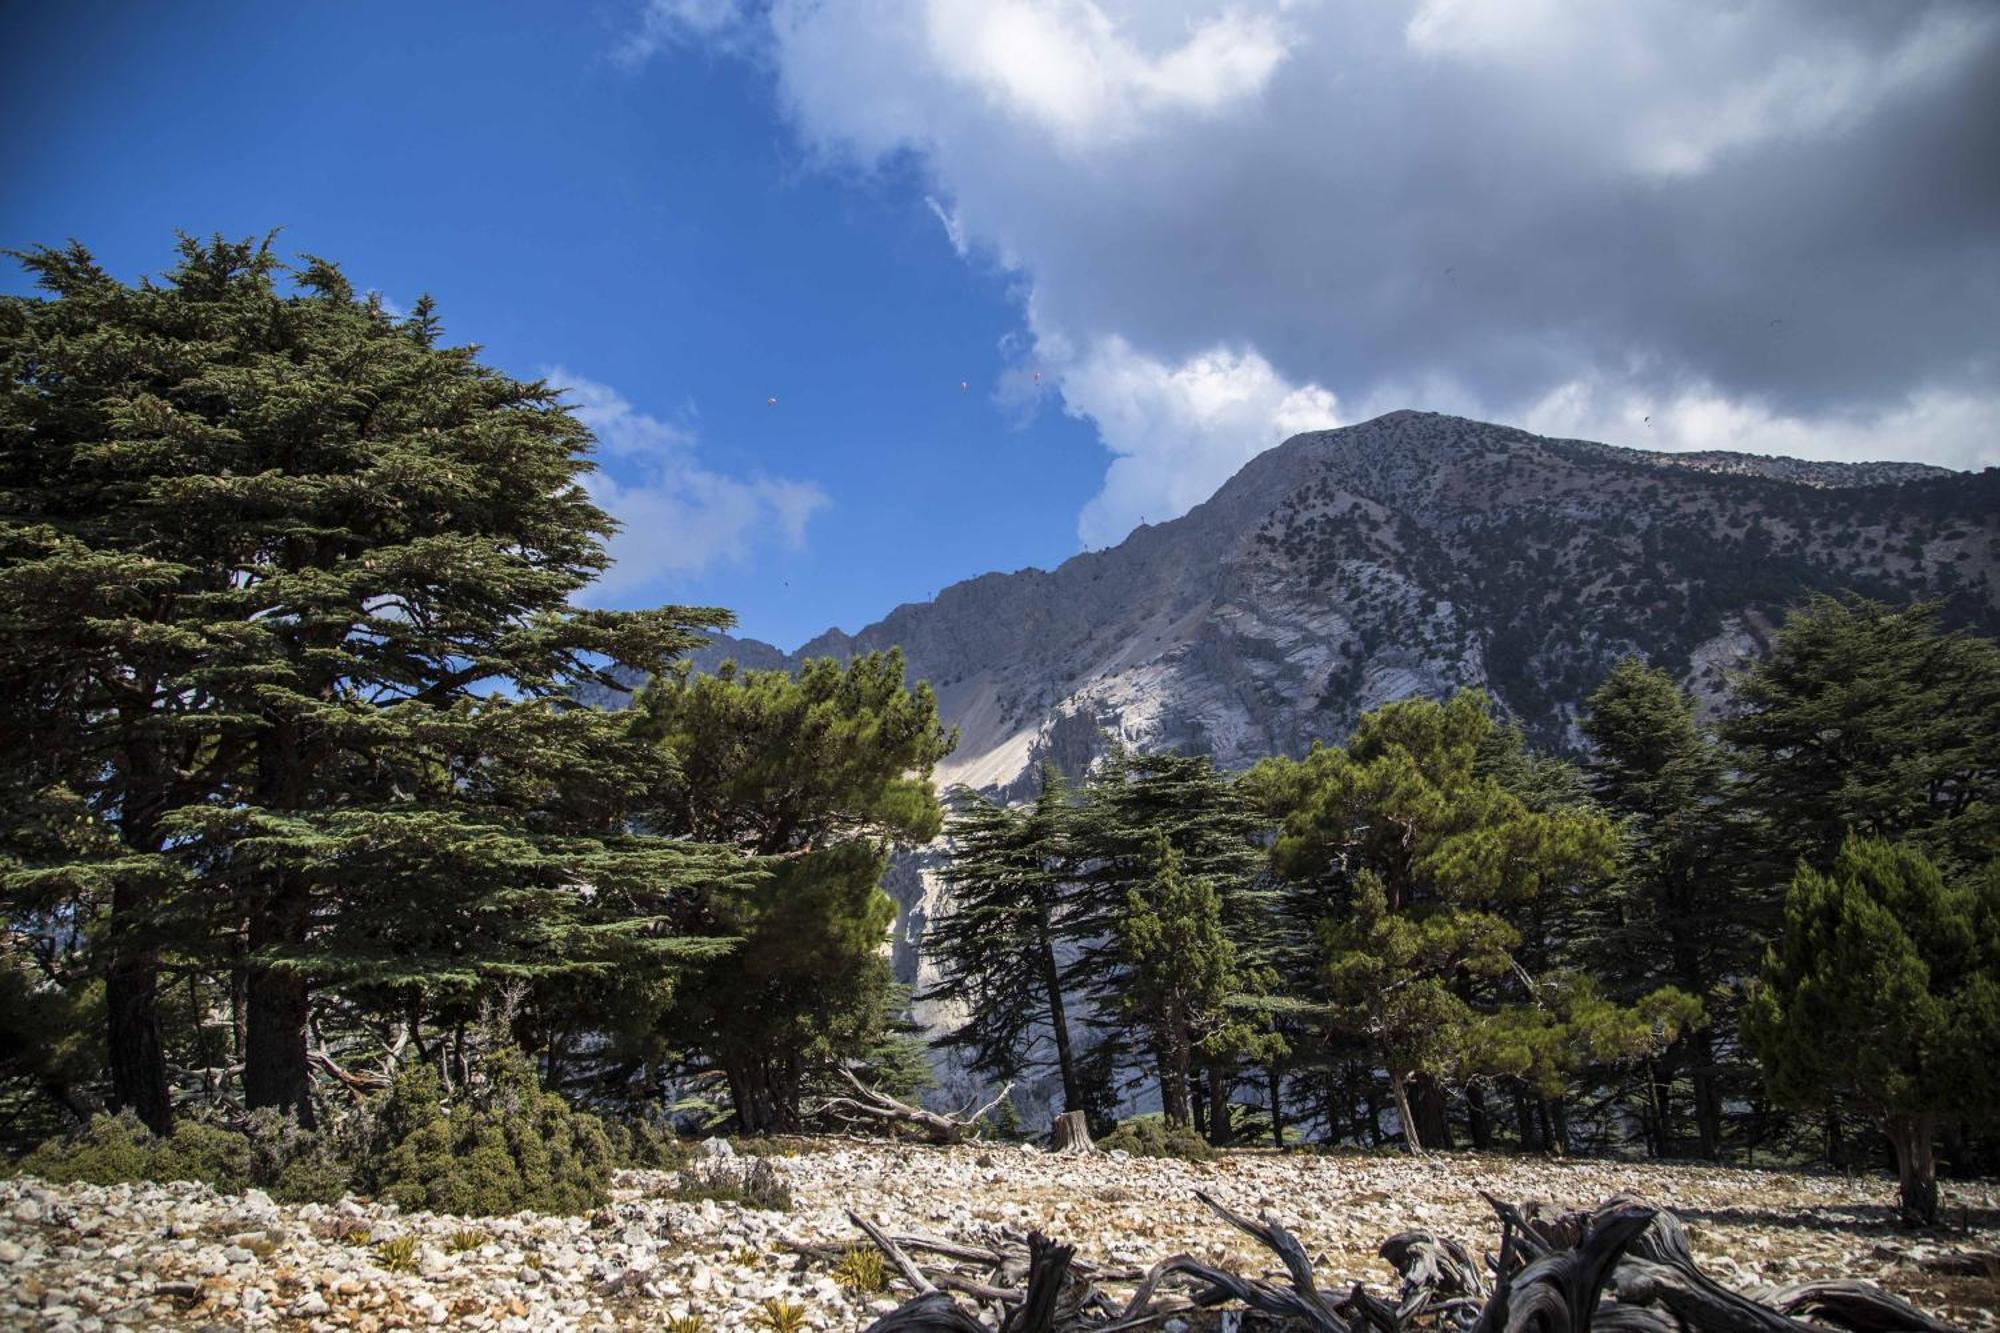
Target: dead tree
(879, 1110)
(1624, 1267)
(1072, 1134)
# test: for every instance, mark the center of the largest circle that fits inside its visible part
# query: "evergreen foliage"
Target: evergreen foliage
(1688, 912)
(1014, 900)
(1884, 990)
(819, 775)
(313, 725)
(1867, 719)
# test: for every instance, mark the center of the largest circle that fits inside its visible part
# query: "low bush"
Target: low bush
(752, 1182)
(272, 1154)
(503, 1146)
(1149, 1136)
(498, 1145)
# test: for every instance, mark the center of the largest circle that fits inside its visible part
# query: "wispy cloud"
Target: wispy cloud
(675, 515)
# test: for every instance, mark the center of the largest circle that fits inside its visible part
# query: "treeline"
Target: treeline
(298, 793)
(1433, 933)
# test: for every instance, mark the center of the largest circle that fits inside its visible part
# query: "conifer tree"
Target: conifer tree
(997, 944)
(1685, 913)
(295, 582)
(1179, 971)
(819, 774)
(1421, 852)
(1870, 719)
(1131, 802)
(1884, 990)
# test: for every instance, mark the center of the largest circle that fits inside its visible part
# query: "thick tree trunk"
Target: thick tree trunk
(1219, 1128)
(1916, 1166)
(276, 1072)
(1477, 1121)
(1174, 1070)
(1707, 1098)
(136, 1052)
(1072, 1134)
(1527, 1122)
(1433, 1111)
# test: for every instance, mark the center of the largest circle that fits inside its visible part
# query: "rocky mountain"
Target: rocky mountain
(1415, 554)
(1412, 554)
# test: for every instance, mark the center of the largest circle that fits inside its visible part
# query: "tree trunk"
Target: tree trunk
(1477, 1121)
(1916, 1167)
(1174, 1070)
(1072, 1134)
(1433, 1112)
(1219, 1128)
(1524, 1116)
(132, 1017)
(1412, 1139)
(1707, 1099)
(1059, 1019)
(1275, 1082)
(275, 1069)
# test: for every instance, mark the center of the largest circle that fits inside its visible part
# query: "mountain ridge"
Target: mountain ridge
(1414, 553)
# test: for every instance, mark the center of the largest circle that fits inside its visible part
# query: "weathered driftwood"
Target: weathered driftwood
(878, 1109)
(1624, 1267)
(1072, 1134)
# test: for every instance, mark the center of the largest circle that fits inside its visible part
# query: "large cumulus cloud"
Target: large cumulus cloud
(1763, 224)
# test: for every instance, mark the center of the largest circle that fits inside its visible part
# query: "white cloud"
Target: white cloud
(1178, 431)
(1952, 429)
(1466, 205)
(675, 516)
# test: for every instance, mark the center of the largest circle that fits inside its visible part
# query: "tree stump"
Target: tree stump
(1072, 1134)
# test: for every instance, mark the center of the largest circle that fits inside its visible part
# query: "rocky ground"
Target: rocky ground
(84, 1257)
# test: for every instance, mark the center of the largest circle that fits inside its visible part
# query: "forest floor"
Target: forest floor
(86, 1258)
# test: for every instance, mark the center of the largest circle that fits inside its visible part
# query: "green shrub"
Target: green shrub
(1148, 1136)
(116, 1148)
(646, 1145)
(752, 1182)
(504, 1146)
(294, 1165)
(398, 1255)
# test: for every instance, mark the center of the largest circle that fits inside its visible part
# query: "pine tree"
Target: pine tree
(1179, 971)
(1423, 858)
(1884, 990)
(997, 944)
(1131, 802)
(294, 582)
(1871, 720)
(1685, 914)
(819, 774)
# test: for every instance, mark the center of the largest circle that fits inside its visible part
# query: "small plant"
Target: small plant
(687, 1323)
(1149, 1136)
(863, 1271)
(398, 1255)
(749, 1256)
(776, 1316)
(466, 1240)
(355, 1235)
(753, 1183)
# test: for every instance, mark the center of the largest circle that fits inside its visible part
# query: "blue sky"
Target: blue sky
(653, 230)
(1152, 237)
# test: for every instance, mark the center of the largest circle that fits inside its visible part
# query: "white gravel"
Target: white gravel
(87, 1258)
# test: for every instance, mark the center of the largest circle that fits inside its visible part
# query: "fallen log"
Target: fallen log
(878, 1109)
